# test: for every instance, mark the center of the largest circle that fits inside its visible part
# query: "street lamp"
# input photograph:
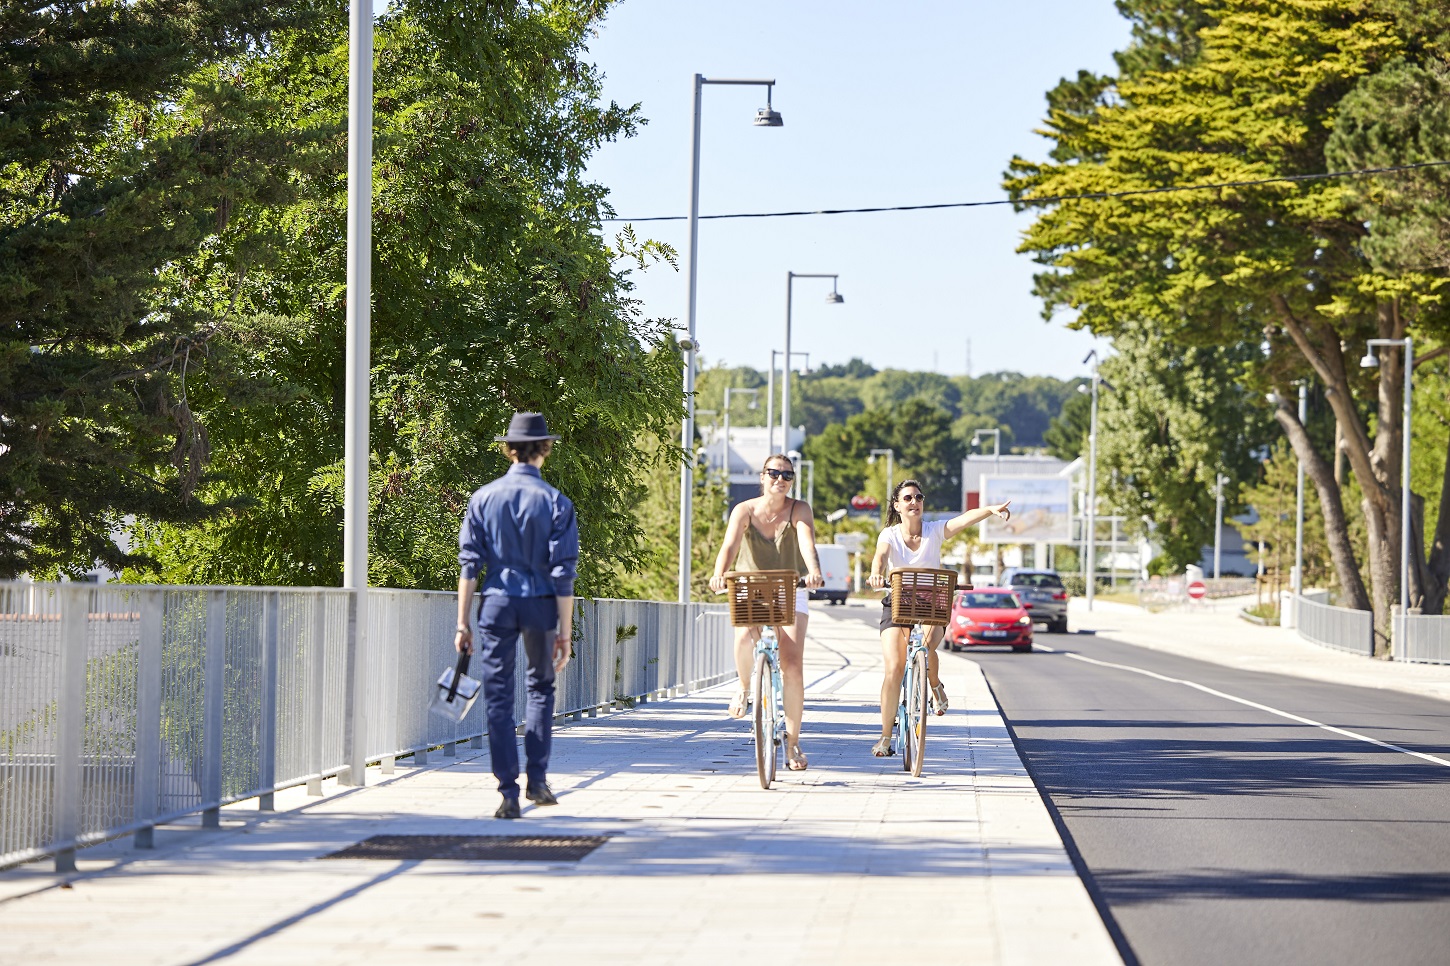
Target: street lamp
(770, 397)
(811, 486)
(767, 117)
(1218, 481)
(725, 445)
(1296, 576)
(356, 446)
(890, 467)
(1371, 361)
(834, 298)
(1090, 563)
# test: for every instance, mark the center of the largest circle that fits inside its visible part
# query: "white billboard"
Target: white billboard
(1041, 509)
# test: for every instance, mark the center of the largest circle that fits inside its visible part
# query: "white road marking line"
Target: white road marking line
(1251, 704)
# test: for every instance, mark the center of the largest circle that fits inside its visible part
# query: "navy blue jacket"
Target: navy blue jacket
(522, 534)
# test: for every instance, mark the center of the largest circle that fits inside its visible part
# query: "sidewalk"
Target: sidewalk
(1220, 636)
(851, 861)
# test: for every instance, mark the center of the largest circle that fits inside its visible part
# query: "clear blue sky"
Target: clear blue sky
(884, 104)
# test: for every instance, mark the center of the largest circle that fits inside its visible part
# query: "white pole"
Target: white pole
(356, 447)
(725, 446)
(1091, 565)
(1298, 576)
(770, 406)
(1405, 486)
(785, 371)
(687, 431)
(1217, 521)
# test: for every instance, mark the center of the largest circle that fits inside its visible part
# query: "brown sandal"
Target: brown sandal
(796, 760)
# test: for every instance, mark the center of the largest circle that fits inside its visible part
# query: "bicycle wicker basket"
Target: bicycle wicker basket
(762, 598)
(920, 595)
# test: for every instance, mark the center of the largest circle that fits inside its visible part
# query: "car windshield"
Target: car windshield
(1003, 601)
(1036, 580)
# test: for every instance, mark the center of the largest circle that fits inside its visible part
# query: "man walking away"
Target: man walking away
(522, 534)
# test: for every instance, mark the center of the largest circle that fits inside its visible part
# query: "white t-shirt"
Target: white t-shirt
(929, 553)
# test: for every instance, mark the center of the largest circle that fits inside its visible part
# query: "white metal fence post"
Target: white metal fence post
(317, 665)
(267, 727)
(147, 778)
(213, 687)
(354, 725)
(71, 723)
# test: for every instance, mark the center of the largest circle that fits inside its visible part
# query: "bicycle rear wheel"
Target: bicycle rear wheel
(916, 711)
(764, 724)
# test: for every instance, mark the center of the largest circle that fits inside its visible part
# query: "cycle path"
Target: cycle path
(852, 861)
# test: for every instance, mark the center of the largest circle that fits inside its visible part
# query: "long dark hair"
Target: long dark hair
(893, 516)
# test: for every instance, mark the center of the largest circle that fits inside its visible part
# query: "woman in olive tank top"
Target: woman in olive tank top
(773, 531)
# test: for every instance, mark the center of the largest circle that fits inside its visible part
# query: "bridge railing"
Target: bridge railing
(1341, 628)
(124, 706)
(1422, 638)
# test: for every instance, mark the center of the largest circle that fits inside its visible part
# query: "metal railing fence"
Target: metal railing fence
(1341, 628)
(1422, 638)
(126, 706)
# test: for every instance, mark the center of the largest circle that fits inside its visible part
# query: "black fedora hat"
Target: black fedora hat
(526, 428)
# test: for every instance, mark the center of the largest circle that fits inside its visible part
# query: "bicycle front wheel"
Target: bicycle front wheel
(764, 724)
(917, 710)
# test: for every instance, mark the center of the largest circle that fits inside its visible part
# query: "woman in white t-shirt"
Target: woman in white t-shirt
(908, 542)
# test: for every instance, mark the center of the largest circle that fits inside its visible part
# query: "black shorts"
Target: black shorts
(886, 620)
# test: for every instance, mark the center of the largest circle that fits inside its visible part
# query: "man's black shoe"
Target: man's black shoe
(508, 808)
(540, 794)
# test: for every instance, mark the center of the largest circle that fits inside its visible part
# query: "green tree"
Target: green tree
(1254, 97)
(121, 158)
(493, 291)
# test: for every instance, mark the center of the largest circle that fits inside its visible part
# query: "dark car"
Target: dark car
(989, 615)
(1043, 594)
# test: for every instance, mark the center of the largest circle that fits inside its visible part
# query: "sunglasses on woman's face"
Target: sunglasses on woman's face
(912, 498)
(776, 474)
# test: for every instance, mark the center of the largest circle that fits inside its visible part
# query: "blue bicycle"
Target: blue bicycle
(920, 597)
(765, 599)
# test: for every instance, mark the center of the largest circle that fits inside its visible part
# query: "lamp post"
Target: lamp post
(725, 444)
(1298, 578)
(890, 466)
(1090, 563)
(356, 446)
(765, 117)
(1218, 481)
(811, 486)
(770, 397)
(832, 298)
(1371, 361)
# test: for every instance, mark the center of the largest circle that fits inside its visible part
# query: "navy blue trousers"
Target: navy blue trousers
(502, 622)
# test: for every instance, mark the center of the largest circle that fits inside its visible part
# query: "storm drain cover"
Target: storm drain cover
(473, 848)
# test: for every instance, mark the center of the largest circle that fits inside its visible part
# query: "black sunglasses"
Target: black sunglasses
(912, 498)
(776, 474)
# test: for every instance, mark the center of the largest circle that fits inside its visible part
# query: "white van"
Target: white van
(836, 569)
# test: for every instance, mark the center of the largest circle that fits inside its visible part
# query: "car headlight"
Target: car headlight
(963, 621)
(1024, 621)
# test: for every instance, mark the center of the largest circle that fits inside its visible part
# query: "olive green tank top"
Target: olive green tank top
(759, 552)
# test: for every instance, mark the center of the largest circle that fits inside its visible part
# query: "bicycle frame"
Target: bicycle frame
(912, 743)
(769, 745)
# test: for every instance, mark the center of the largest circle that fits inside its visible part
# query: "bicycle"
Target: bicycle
(920, 597)
(765, 599)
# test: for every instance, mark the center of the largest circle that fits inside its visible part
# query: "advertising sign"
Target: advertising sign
(1041, 509)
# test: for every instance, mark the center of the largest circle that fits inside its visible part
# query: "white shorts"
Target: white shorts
(802, 601)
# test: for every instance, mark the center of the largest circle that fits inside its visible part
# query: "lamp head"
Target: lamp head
(834, 298)
(767, 116)
(871, 458)
(1370, 360)
(1272, 398)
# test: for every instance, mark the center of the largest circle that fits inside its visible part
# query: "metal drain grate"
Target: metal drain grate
(473, 848)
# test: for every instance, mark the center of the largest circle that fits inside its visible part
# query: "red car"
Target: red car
(989, 615)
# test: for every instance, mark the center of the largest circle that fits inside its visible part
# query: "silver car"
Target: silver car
(1042, 592)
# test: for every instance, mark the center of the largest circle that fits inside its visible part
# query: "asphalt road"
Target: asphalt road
(1213, 828)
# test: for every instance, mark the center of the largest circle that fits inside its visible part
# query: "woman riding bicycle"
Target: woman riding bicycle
(908, 542)
(773, 531)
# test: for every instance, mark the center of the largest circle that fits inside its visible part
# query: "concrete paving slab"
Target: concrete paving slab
(852, 861)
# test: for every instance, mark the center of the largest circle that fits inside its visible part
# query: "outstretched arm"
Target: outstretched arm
(973, 517)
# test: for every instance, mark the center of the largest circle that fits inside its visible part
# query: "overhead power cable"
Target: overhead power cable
(1055, 199)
